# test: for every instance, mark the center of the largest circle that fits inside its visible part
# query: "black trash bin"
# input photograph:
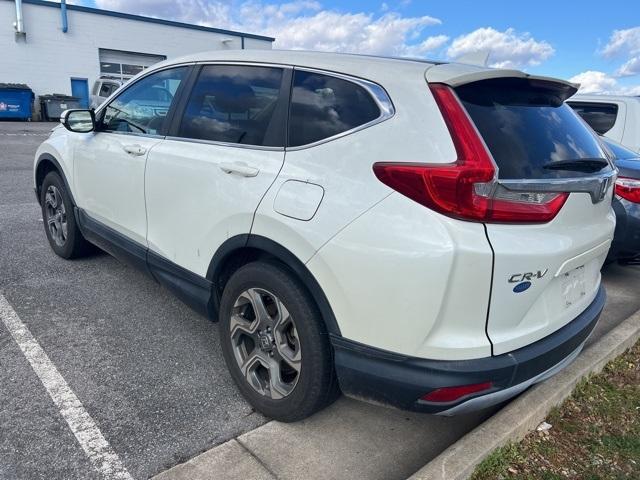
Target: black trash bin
(52, 105)
(16, 101)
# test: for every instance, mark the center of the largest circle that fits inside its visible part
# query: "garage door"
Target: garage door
(124, 65)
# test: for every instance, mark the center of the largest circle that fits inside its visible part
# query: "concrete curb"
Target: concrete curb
(525, 413)
(227, 461)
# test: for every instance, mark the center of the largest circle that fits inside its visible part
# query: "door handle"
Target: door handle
(241, 169)
(135, 150)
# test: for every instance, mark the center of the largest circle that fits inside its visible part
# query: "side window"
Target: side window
(143, 106)
(600, 116)
(107, 89)
(234, 104)
(323, 106)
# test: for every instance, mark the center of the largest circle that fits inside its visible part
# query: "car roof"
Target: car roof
(629, 168)
(366, 66)
(629, 163)
(614, 144)
(372, 67)
(301, 58)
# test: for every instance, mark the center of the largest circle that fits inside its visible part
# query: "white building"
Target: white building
(58, 48)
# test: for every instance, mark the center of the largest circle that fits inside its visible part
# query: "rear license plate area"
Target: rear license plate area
(574, 286)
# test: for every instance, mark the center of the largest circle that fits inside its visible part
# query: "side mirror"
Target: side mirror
(79, 121)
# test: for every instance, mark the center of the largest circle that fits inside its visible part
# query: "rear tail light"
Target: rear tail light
(628, 188)
(466, 189)
(451, 394)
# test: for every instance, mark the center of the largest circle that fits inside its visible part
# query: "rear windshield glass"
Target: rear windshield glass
(529, 131)
(600, 116)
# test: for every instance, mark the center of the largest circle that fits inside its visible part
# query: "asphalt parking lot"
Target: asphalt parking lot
(150, 373)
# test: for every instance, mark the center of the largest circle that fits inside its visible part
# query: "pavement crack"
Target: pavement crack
(257, 459)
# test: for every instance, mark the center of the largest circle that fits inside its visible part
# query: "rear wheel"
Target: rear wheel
(275, 343)
(59, 220)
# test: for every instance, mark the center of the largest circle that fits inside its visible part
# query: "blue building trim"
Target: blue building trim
(140, 18)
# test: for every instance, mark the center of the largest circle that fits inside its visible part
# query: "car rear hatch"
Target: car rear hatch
(547, 214)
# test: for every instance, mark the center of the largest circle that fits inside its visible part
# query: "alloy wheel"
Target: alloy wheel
(55, 215)
(265, 343)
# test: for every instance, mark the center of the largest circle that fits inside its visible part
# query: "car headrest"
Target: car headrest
(234, 98)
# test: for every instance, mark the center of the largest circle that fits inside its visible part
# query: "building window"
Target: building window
(131, 69)
(110, 68)
(121, 65)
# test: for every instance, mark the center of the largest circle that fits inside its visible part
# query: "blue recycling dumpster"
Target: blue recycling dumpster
(16, 101)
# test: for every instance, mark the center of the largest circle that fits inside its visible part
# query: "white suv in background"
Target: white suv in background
(614, 116)
(423, 235)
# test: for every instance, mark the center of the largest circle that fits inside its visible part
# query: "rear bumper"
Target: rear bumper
(397, 380)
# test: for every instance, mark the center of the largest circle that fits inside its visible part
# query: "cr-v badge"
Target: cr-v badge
(523, 280)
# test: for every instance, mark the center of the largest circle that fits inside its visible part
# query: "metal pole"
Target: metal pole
(63, 11)
(19, 24)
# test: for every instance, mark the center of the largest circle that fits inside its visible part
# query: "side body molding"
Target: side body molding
(199, 293)
(195, 291)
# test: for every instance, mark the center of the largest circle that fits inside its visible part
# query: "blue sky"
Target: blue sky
(574, 29)
(596, 43)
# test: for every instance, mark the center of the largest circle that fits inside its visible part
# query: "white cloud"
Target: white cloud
(300, 24)
(306, 24)
(621, 43)
(430, 44)
(625, 41)
(389, 34)
(179, 10)
(509, 49)
(593, 81)
(629, 68)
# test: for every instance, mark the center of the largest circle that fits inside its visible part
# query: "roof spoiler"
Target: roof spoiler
(457, 74)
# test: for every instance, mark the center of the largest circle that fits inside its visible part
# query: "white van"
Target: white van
(102, 89)
(614, 116)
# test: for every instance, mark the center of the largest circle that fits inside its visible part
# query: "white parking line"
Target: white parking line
(24, 134)
(100, 453)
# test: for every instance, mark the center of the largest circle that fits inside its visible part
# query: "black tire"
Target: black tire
(316, 385)
(73, 245)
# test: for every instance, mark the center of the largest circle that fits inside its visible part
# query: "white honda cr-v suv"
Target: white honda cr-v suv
(423, 235)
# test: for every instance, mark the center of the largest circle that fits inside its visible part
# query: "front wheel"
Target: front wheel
(275, 343)
(59, 221)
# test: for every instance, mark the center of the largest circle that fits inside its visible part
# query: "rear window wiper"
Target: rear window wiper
(587, 165)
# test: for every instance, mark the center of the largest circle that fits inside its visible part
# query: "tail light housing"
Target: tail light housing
(466, 189)
(628, 188)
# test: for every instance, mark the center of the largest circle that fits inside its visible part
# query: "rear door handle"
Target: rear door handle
(238, 168)
(135, 150)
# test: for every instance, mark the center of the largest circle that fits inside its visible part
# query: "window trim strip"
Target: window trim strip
(223, 144)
